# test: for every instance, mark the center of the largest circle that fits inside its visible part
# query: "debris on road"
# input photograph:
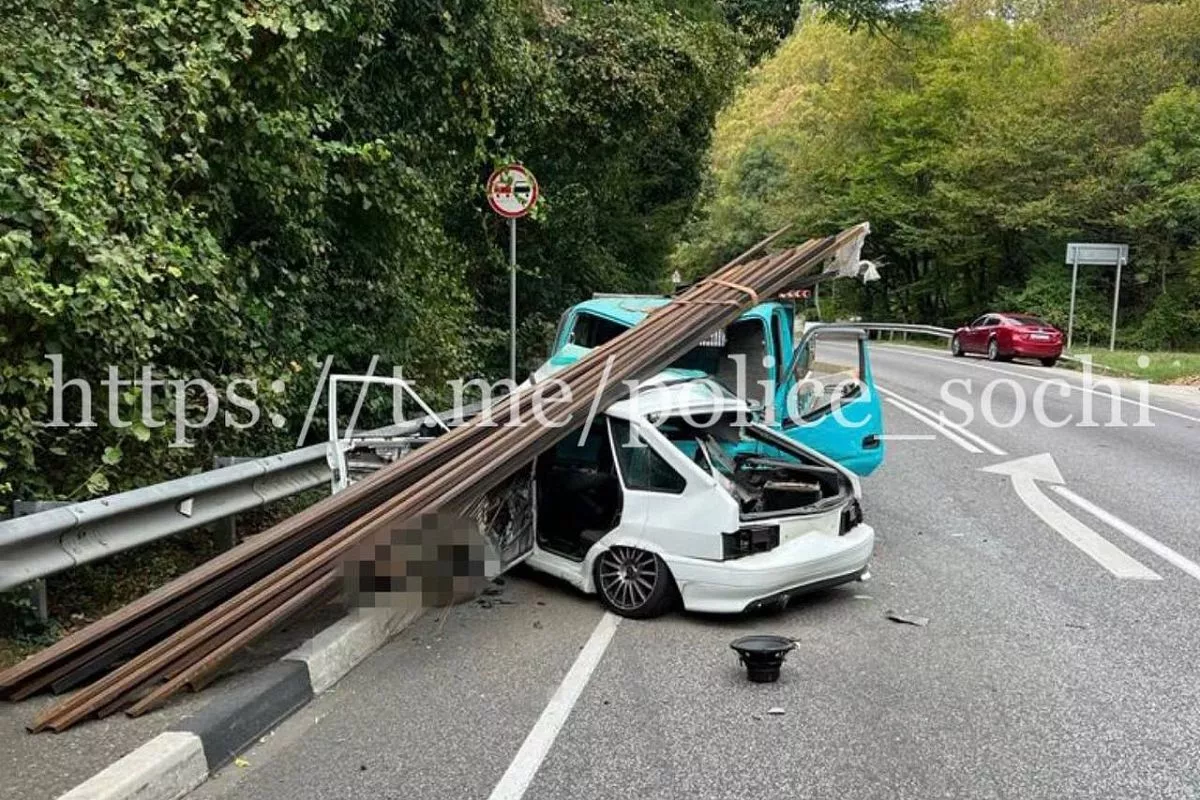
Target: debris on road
(763, 655)
(908, 619)
(776, 711)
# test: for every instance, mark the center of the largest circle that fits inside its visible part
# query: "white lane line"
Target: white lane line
(537, 744)
(1074, 387)
(1144, 539)
(941, 419)
(933, 423)
(907, 437)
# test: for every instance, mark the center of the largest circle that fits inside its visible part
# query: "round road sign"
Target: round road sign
(511, 191)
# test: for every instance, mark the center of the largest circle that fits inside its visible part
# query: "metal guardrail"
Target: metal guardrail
(42, 544)
(898, 327)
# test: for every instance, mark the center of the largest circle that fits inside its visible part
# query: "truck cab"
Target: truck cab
(815, 387)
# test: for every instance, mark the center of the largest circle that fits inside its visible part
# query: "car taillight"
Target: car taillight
(851, 515)
(750, 540)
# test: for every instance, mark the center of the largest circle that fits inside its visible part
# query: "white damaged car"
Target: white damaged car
(676, 495)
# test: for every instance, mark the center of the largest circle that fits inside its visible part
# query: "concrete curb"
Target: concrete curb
(168, 766)
(177, 761)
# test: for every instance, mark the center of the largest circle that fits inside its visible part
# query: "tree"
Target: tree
(977, 145)
(237, 192)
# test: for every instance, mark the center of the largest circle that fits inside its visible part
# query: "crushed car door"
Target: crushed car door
(507, 518)
(833, 406)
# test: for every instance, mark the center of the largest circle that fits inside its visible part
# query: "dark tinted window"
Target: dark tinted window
(593, 331)
(642, 468)
(1025, 319)
(592, 452)
(777, 343)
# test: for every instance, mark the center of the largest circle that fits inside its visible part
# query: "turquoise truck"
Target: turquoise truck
(834, 409)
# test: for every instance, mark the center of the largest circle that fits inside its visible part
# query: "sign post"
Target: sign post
(1074, 282)
(1112, 338)
(512, 298)
(1105, 255)
(511, 192)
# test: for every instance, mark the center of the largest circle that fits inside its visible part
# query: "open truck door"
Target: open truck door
(832, 405)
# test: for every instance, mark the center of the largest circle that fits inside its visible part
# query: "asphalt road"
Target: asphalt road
(1041, 674)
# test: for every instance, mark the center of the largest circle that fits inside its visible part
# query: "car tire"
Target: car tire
(956, 347)
(634, 583)
(993, 351)
(1049, 362)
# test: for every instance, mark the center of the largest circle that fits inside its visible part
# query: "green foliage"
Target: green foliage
(977, 145)
(1162, 366)
(1173, 318)
(20, 626)
(1047, 294)
(614, 120)
(236, 191)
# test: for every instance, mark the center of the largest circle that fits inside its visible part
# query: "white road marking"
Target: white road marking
(907, 437)
(933, 423)
(941, 419)
(908, 350)
(1144, 539)
(1025, 473)
(537, 744)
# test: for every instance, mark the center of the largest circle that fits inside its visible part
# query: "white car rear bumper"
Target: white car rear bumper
(729, 587)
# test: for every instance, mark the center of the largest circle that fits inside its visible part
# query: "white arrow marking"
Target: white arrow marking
(1144, 539)
(1025, 473)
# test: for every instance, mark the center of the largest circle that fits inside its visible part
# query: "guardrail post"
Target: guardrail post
(37, 589)
(225, 530)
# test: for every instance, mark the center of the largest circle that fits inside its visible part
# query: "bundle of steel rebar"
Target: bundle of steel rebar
(204, 617)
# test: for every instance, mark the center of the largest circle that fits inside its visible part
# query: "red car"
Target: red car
(1006, 336)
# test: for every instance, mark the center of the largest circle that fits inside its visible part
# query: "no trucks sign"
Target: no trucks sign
(511, 191)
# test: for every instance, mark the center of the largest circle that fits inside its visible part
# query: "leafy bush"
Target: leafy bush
(237, 191)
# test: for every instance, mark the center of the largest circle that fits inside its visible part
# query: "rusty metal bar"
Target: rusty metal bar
(454, 469)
